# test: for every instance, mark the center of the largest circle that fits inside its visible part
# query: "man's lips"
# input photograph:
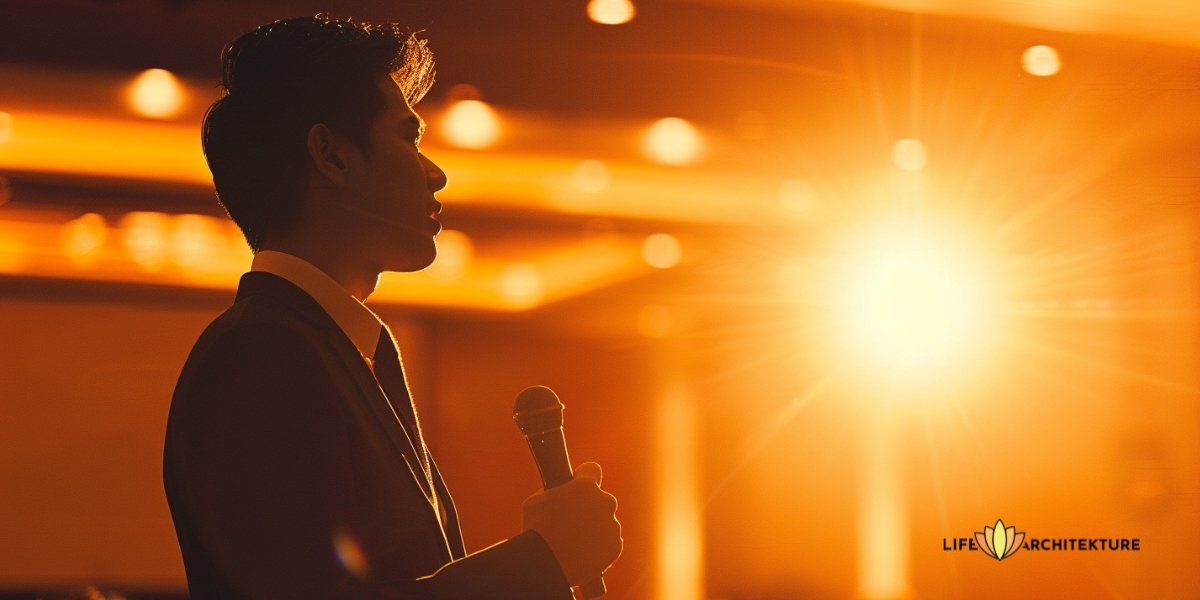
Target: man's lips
(435, 209)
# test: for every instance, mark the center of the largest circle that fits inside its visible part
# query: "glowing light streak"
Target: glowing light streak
(6, 127)
(681, 540)
(883, 519)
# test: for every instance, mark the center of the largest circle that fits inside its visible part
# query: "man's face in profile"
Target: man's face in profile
(393, 185)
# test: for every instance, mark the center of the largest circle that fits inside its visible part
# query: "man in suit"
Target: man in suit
(294, 463)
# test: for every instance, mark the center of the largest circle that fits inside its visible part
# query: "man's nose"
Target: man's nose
(434, 175)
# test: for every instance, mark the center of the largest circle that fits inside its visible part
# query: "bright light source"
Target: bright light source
(910, 299)
(1041, 61)
(156, 93)
(661, 250)
(520, 284)
(591, 176)
(672, 141)
(471, 124)
(83, 236)
(454, 255)
(796, 197)
(611, 12)
(6, 127)
(144, 236)
(909, 154)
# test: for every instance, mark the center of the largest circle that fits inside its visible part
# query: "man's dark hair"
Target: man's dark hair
(280, 80)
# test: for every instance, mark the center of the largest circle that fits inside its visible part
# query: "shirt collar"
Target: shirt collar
(358, 322)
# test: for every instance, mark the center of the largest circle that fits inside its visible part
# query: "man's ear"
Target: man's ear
(329, 152)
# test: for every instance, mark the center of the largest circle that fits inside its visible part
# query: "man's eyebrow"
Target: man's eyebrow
(416, 123)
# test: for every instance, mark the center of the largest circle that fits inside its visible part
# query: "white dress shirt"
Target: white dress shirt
(358, 322)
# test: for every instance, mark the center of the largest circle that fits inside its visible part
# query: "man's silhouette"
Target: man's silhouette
(294, 463)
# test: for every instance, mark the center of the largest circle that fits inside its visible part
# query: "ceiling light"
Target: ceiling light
(157, 94)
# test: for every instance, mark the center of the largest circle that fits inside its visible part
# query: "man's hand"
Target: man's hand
(578, 521)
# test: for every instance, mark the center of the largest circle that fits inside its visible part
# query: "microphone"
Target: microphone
(539, 415)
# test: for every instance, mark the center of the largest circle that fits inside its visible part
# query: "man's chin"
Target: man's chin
(413, 259)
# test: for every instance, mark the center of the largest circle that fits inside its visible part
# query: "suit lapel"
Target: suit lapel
(259, 282)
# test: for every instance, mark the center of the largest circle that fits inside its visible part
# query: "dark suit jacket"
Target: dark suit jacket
(289, 476)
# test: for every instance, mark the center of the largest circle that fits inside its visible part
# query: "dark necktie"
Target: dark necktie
(389, 371)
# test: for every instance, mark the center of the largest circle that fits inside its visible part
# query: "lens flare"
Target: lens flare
(350, 554)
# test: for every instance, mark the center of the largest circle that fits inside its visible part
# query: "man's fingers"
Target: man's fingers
(590, 470)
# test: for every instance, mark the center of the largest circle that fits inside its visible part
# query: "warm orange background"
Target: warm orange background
(751, 459)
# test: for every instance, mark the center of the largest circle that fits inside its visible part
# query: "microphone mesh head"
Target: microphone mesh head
(538, 410)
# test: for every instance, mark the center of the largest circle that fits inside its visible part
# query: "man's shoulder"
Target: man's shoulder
(254, 329)
(253, 318)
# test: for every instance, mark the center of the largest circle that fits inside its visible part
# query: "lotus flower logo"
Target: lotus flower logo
(999, 542)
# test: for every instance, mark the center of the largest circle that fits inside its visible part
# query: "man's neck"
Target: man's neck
(358, 280)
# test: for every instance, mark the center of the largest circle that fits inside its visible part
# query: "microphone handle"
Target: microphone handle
(549, 450)
(550, 454)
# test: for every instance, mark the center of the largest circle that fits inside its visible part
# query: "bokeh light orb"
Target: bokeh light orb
(521, 284)
(82, 238)
(145, 238)
(455, 251)
(156, 93)
(591, 176)
(471, 124)
(611, 12)
(1041, 61)
(672, 141)
(661, 250)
